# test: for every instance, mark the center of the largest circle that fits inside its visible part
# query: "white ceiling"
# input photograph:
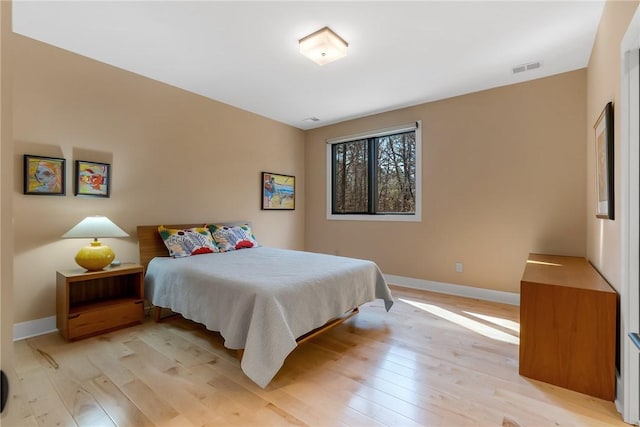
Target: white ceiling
(246, 53)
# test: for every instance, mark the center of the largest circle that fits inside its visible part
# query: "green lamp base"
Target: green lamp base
(95, 257)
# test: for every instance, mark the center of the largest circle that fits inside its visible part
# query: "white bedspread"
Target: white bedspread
(262, 299)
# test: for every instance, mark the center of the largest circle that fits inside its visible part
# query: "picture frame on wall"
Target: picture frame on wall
(604, 163)
(92, 179)
(278, 191)
(44, 176)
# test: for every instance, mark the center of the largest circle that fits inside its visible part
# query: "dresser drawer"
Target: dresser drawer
(104, 318)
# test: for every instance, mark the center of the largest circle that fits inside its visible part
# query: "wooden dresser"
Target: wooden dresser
(568, 318)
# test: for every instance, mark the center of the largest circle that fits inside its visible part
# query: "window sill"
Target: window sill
(383, 218)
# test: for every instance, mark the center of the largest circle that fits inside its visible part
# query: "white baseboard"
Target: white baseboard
(451, 289)
(33, 328)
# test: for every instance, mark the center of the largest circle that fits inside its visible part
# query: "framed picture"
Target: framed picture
(278, 191)
(92, 179)
(604, 163)
(44, 176)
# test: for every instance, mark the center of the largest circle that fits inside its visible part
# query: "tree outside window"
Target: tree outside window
(375, 176)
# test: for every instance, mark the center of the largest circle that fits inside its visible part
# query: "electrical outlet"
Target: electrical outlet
(458, 267)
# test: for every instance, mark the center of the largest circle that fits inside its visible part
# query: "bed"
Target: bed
(264, 301)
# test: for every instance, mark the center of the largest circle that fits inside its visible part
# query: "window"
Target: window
(376, 175)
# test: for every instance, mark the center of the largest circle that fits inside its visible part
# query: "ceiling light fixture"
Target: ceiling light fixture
(323, 46)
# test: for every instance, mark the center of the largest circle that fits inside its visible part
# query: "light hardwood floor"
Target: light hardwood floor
(433, 360)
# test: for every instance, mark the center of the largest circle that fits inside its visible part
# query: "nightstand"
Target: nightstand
(93, 302)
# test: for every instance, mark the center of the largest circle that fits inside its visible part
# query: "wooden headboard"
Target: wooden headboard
(150, 244)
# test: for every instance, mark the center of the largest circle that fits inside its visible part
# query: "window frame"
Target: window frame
(399, 217)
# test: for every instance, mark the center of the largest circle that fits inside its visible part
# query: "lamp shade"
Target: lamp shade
(94, 227)
(96, 256)
(323, 46)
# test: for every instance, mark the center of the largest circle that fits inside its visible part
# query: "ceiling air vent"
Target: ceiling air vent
(526, 67)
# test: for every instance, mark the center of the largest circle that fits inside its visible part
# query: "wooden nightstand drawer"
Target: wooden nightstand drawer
(105, 318)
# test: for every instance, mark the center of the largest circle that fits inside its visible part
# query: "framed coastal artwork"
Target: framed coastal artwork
(278, 191)
(44, 176)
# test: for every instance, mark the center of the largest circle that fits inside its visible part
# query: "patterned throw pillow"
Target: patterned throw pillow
(187, 242)
(229, 238)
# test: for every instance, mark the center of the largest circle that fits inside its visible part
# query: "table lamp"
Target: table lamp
(96, 256)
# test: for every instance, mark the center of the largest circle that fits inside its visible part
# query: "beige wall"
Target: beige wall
(603, 85)
(506, 171)
(6, 193)
(176, 157)
(503, 175)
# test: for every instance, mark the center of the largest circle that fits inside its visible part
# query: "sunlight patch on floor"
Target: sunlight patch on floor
(465, 322)
(505, 323)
